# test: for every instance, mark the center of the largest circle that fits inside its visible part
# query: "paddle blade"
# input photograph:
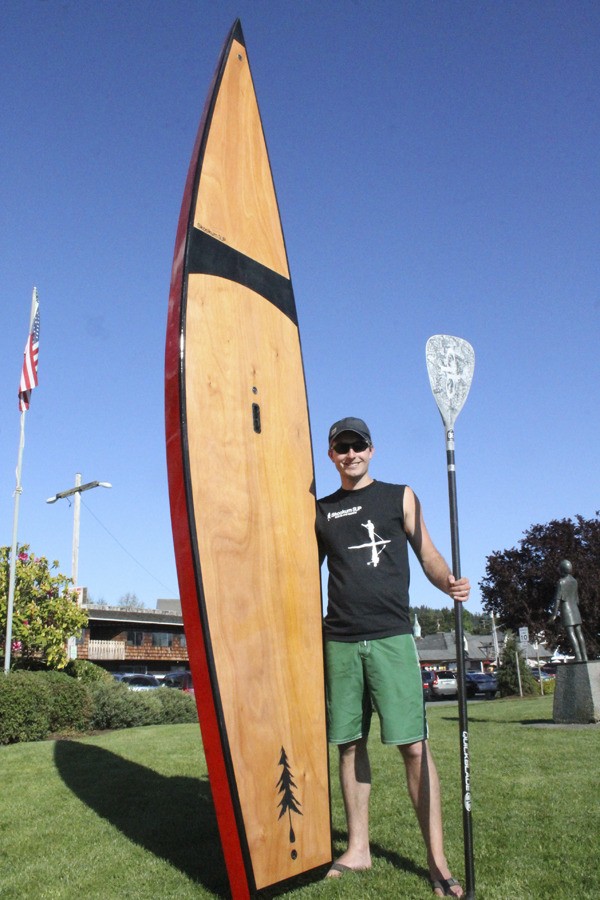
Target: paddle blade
(450, 366)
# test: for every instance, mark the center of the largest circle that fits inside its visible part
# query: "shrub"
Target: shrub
(149, 707)
(34, 705)
(177, 706)
(70, 702)
(549, 686)
(86, 671)
(114, 706)
(24, 708)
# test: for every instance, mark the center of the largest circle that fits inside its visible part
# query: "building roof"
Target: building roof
(133, 617)
(441, 647)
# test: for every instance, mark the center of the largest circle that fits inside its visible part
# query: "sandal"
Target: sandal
(339, 869)
(444, 884)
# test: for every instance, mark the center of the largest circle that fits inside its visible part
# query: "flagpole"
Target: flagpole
(13, 551)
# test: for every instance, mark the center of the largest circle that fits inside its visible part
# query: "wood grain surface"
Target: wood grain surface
(242, 499)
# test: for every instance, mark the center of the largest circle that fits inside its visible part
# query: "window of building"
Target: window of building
(162, 639)
(135, 638)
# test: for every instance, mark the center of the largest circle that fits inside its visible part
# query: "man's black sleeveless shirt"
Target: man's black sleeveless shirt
(362, 534)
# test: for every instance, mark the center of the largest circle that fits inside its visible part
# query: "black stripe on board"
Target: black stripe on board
(209, 256)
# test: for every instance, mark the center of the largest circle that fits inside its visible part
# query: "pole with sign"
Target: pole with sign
(523, 636)
(523, 641)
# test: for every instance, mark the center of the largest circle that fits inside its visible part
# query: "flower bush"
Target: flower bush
(45, 610)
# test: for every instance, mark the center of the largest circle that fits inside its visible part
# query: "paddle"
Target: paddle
(450, 365)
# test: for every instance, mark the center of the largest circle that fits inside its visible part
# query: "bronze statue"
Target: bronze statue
(566, 602)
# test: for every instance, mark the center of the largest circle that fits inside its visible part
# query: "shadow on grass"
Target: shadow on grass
(483, 721)
(173, 818)
(340, 838)
(399, 862)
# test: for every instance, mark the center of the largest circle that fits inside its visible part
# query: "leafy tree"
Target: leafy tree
(508, 679)
(519, 584)
(45, 610)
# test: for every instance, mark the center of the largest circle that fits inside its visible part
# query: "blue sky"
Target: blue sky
(437, 171)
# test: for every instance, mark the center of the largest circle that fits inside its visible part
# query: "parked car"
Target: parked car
(481, 683)
(446, 686)
(429, 679)
(551, 668)
(180, 680)
(542, 674)
(137, 682)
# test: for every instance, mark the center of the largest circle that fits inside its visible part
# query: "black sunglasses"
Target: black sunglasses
(358, 447)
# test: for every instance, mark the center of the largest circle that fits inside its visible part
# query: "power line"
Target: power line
(125, 550)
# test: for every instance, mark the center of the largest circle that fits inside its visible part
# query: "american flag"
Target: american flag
(29, 375)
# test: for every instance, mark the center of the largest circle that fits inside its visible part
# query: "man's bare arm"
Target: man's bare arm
(432, 562)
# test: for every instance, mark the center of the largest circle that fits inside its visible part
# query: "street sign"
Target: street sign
(523, 635)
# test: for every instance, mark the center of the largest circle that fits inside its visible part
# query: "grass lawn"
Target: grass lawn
(128, 814)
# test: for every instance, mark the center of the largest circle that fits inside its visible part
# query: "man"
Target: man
(371, 658)
(566, 602)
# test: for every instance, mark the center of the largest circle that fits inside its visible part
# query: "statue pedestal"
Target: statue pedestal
(577, 693)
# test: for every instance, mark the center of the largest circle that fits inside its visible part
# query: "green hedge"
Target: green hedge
(70, 706)
(177, 706)
(24, 708)
(35, 705)
(549, 686)
(116, 706)
(87, 671)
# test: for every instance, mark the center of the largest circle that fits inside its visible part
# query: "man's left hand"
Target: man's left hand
(459, 588)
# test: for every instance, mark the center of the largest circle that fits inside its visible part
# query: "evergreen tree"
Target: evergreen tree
(511, 662)
(434, 620)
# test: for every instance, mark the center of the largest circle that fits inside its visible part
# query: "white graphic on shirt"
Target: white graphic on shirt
(344, 512)
(372, 545)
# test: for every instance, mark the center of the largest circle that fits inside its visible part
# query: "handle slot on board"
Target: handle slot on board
(256, 424)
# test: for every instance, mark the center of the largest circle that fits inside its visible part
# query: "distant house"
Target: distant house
(135, 640)
(438, 651)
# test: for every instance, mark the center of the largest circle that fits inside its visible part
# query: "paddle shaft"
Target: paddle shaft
(462, 687)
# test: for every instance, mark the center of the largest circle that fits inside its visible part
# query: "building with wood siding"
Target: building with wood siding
(135, 640)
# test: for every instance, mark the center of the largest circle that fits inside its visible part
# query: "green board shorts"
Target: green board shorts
(384, 675)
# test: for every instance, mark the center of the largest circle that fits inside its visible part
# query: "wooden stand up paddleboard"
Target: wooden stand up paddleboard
(241, 486)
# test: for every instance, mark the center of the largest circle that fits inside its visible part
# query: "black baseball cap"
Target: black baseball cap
(350, 424)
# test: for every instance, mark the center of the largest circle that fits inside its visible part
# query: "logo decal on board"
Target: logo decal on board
(288, 803)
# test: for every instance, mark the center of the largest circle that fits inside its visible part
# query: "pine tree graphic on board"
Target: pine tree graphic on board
(288, 802)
